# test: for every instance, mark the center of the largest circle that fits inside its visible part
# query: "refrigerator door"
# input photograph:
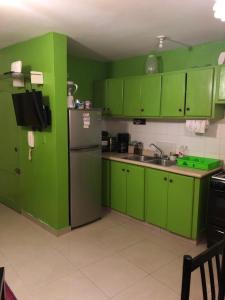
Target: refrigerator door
(85, 186)
(82, 134)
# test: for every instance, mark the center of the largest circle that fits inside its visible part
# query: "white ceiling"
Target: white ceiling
(111, 29)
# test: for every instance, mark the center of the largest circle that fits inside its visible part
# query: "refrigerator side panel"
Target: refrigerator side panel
(85, 186)
(81, 136)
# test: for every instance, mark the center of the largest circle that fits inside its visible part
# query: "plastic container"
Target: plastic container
(196, 162)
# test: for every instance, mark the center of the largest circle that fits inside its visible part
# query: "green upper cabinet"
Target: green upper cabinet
(135, 191)
(156, 197)
(180, 204)
(118, 186)
(220, 84)
(114, 97)
(173, 94)
(199, 92)
(150, 96)
(100, 94)
(132, 97)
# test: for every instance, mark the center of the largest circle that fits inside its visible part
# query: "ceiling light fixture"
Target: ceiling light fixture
(219, 10)
(163, 38)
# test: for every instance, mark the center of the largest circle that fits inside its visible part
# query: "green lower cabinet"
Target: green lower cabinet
(127, 189)
(180, 204)
(156, 197)
(135, 191)
(106, 182)
(118, 186)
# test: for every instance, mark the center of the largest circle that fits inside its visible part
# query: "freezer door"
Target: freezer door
(85, 186)
(81, 137)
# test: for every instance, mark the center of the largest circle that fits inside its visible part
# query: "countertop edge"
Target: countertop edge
(172, 169)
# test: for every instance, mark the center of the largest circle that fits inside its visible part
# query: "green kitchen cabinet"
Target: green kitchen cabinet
(114, 97)
(199, 93)
(169, 201)
(180, 204)
(106, 182)
(127, 189)
(156, 184)
(132, 97)
(118, 186)
(221, 84)
(173, 94)
(150, 96)
(100, 94)
(135, 191)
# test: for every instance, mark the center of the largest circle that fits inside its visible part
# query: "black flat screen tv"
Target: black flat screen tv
(30, 110)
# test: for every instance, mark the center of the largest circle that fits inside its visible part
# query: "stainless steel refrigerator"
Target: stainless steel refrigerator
(85, 166)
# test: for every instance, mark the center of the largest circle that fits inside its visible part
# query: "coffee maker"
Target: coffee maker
(123, 142)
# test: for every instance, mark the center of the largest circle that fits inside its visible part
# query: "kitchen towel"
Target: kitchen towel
(197, 126)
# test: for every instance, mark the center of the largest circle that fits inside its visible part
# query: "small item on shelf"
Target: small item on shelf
(130, 149)
(87, 104)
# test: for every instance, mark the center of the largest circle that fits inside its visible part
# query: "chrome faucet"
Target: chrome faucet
(157, 149)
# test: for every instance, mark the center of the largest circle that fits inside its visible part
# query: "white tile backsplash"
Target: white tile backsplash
(211, 144)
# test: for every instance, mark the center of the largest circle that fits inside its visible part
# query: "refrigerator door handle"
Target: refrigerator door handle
(86, 148)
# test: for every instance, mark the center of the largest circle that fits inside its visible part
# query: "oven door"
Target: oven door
(216, 209)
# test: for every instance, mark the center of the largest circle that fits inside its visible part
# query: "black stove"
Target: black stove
(216, 209)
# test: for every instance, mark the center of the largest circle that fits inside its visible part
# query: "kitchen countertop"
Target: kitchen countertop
(173, 169)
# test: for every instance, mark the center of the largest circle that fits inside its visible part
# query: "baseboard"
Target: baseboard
(56, 232)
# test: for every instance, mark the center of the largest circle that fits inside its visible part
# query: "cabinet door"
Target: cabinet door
(199, 92)
(114, 96)
(221, 86)
(118, 186)
(150, 96)
(105, 182)
(135, 191)
(173, 94)
(132, 97)
(180, 203)
(156, 184)
(100, 94)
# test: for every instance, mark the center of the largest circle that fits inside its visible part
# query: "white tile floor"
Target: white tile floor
(114, 258)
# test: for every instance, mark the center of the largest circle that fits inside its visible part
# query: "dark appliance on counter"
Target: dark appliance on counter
(216, 209)
(123, 142)
(105, 141)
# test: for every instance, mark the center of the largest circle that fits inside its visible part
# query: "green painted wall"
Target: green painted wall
(84, 71)
(43, 183)
(178, 59)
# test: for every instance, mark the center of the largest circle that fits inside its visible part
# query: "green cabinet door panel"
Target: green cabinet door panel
(221, 87)
(180, 204)
(106, 182)
(150, 95)
(100, 94)
(173, 94)
(118, 186)
(132, 97)
(156, 183)
(114, 96)
(199, 92)
(135, 191)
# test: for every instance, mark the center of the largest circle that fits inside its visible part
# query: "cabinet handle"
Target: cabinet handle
(123, 170)
(180, 109)
(171, 180)
(103, 108)
(142, 109)
(128, 171)
(220, 231)
(16, 149)
(17, 171)
(165, 178)
(188, 108)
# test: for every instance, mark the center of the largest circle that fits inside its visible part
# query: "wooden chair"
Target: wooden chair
(190, 264)
(2, 284)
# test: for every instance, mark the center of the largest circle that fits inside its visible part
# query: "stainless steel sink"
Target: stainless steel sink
(162, 162)
(141, 158)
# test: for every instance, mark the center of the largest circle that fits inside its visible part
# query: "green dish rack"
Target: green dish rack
(196, 162)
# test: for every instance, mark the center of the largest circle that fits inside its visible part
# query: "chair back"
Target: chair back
(217, 253)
